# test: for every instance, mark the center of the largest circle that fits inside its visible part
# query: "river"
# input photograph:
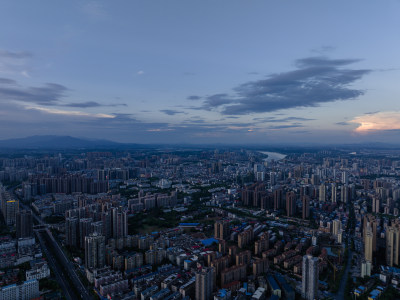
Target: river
(273, 156)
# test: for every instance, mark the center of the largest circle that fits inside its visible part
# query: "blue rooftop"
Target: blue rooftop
(284, 283)
(272, 282)
(189, 224)
(208, 242)
(375, 292)
(222, 293)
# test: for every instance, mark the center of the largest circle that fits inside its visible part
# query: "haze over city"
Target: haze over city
(201, 72)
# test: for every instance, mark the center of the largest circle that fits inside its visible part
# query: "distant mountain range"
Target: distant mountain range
(56, 142)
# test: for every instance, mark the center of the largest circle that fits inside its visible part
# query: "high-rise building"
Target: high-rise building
(222, 247)
(309, 283)
(24, 224)
(373, 223)
(260, 266)
(234, 273)
(260, 176)
(262, 244)
(306, 207)
(272, 178)
(119, 223)
(315, 179)
(322, 192)
(27, 290)
(245, 237)
(345, 177)
(334, 193)
(95, 251)
(368, 244)
(258, 168)
(72, 231)
(232, 251)
(9, 207)
(392, 245)
(243, 258)
(278, 199)
(221, 229)
(344, 194)
(204, 284)
(340, 236)
(337, 226)
(85, 229)
(290, 204)
(376, 204)
(366, 267)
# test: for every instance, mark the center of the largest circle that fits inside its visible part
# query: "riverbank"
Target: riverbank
(273, 155)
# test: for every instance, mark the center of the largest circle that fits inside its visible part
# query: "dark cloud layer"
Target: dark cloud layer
(194, 97)
(49, 94)
(316, 80)
(286, 126)
(171, 112)
(343, 123)
(92, 104)
(281, 120)
(7, 81)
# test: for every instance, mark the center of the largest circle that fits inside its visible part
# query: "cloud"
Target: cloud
(380, 121)
(323, 61)
(316, 80)
(371, 112)
(282, 120)
(343, 123)
(140, 72)
(25, 74)
(15, 55)
(84, 104)
(7, 81)
(171, 112)
(14, 62)
(194, 121)
(92, 104)
(193, 97)
(216, 101)
(49, 94)
(296, 125)
(69, 113)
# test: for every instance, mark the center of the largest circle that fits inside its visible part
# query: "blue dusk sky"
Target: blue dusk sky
(180, 71)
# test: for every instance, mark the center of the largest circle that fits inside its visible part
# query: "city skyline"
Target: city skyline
(230, 72)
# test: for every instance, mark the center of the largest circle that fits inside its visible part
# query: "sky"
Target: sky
(178, 71)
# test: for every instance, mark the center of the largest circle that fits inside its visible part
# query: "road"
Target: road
(60, 276)
(52, 248)
(39, 220)
(343, 281)
(68, 267)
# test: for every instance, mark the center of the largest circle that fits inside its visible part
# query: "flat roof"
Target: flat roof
(273, 283)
